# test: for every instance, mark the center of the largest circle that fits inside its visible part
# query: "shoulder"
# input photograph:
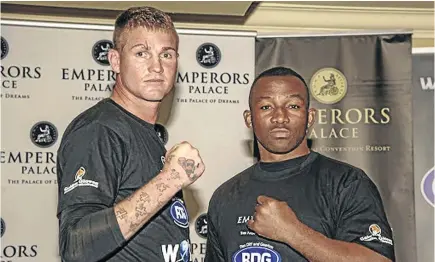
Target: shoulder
(103, 113)
(97, 123)
(226, 189)
(340, 173)
(336, 165)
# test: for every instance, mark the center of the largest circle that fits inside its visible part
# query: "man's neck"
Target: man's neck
(268, 157)
(147, 111)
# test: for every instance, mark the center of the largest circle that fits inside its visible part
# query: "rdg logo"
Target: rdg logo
(179, 214)
(256, 254)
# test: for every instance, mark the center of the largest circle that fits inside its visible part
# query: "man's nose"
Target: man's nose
(155, 65)
(279, 116)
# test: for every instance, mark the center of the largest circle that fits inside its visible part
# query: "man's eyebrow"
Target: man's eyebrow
(140, 45)
(287, 96)
(166, 48)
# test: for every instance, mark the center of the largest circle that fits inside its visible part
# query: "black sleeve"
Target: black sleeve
(213, 251)
(89, 164)
(361, 217)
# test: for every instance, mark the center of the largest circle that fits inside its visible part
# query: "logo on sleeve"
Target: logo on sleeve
(179, 214)
(79, 181)
(256, 252)
(375, 234)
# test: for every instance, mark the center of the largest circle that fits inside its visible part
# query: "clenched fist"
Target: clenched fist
(184, 164)
(273, 219)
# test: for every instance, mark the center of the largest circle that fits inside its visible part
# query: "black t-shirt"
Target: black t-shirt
(105, 155)
(331, 197)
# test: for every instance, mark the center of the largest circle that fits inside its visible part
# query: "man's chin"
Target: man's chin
(154, 96)
(153, 100)
(280, 149)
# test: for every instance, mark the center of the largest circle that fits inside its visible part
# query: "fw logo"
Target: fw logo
(427, 83)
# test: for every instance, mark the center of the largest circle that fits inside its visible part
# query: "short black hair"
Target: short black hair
(280, 71)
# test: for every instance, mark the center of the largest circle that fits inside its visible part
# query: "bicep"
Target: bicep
(89, 168)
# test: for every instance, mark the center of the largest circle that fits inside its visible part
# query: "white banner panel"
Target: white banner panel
(212, 92)
(50, 75)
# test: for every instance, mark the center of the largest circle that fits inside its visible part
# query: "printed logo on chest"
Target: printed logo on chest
(256, 252)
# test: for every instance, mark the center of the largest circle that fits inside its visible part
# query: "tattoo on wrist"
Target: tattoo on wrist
(174, 174)
(169, 158)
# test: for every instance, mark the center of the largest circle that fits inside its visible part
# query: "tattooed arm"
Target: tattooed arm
(93, 232)
(136, 210)
(183, 166)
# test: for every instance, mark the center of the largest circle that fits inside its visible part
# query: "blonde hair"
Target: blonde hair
(151, 18)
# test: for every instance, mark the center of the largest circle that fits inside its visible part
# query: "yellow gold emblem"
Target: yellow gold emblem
(328, 85)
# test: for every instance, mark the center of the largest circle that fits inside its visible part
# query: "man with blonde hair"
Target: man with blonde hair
(120, 191)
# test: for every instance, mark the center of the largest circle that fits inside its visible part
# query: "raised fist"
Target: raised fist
(184, 164)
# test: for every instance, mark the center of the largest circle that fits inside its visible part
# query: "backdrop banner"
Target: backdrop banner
(51, 74)
(361, 87)
(423, 120)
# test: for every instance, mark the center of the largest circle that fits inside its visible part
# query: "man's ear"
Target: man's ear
(248, 118)
(311, 117)
(114, 60)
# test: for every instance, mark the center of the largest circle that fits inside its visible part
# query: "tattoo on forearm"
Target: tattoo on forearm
(133, 226)
(121, 213)
(189, 167)
(143, 204)
(144, 197)
(162, 187)
(141, 211)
